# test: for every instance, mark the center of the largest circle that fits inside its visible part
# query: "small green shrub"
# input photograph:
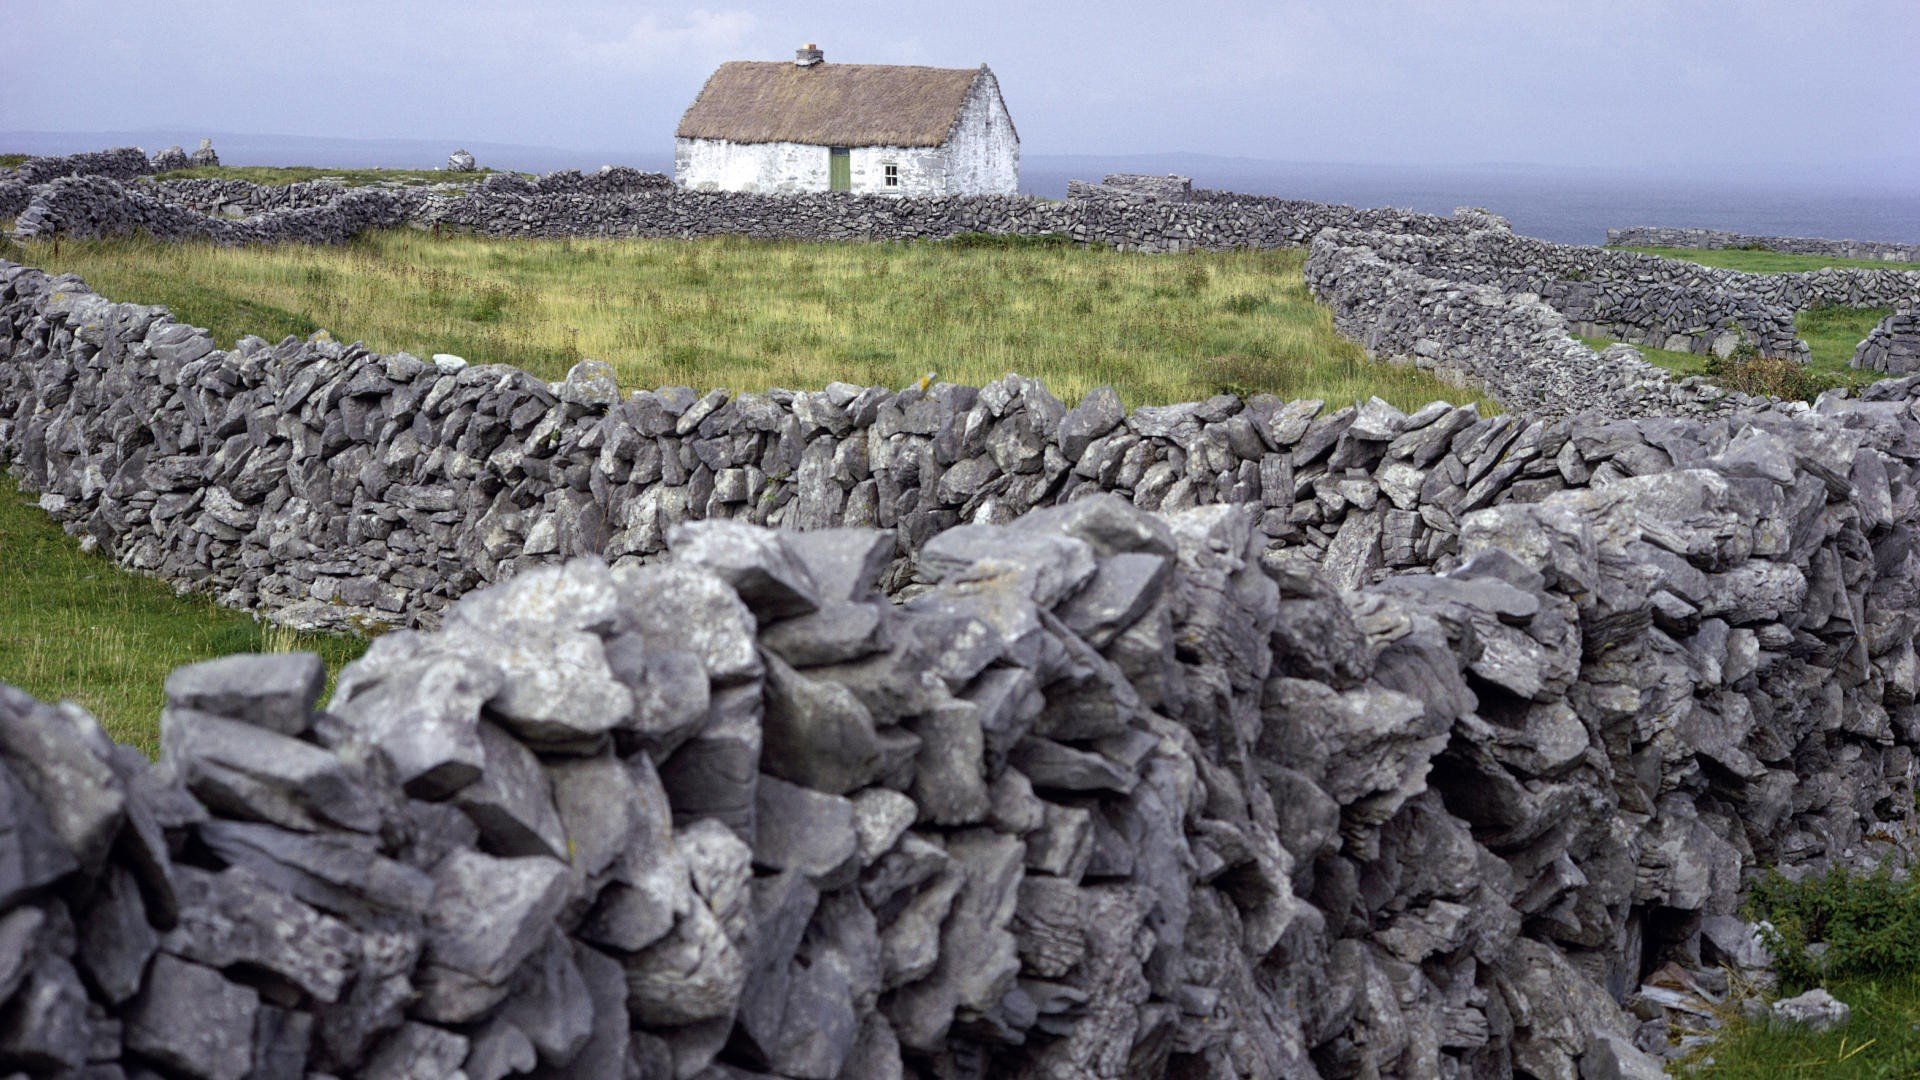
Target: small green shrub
(490, 306)
(1243, 304)
(1750, 373)
(1869, 923)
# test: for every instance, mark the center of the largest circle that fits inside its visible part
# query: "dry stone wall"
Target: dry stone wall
(1106, 796)
(1233, 738)
(1893, 346)
(1502, 310)
(625, 202)
(1652, 236)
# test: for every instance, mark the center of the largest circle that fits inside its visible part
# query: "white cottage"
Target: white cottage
(880, 129)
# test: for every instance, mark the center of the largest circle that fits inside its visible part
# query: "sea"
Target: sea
(1574, 205)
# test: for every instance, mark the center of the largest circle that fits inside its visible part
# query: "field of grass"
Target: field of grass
(13, 161)
(749, 315)
(295, 174)
(76, 626)
(1767, 262)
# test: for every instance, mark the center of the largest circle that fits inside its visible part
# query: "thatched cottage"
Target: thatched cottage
(880, 129)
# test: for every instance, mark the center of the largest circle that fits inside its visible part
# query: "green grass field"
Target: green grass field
(76, 626)
(294, 174)
(749, 315)
(1766, 262)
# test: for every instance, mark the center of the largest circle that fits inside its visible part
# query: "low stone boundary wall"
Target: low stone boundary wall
(1106, 797)
(630, 203)
(122, 163)
(1652, 236)
(1893, 346)
(1502, 310)
(1513, 343)
(336, 487)
(93, 206)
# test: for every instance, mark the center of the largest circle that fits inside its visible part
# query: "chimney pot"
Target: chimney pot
(808, 56)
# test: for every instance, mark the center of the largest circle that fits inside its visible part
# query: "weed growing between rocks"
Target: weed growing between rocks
(1750, 373)
(1839, 925)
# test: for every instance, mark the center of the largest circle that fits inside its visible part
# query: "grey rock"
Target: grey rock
(423, 717)
(115, 939)
(276, 691)
(1045, 568)
(251, 773)
(234, 919)
(690, 609)
(44, 1027)
(190, 1019)
(1612, 1056)
(1098, 413)
(550, 1003)
(488, 916)
(62, 757)
(806, 831)
(342, 873)
(1815, 1011)
(755, 562)
(845, 564)
(604, 1053)
(840, 631)
(31, 856)
(512, 801)
(880, 817)
(590, 383)
(817, 733)
(416, 1052)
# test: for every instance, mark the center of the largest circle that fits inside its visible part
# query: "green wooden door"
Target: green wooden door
(839, 169)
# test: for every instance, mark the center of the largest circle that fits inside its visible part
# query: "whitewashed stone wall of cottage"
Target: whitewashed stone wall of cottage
(984, 153)
(981, 158)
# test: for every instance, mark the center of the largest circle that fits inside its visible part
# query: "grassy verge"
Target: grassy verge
(1881, 1042)
(75, 626)
(294, 174)
(13, 161)
(1868, 930)
(752, 314)
(1767, 262)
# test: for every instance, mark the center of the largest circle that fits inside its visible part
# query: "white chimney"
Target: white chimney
(809, 56)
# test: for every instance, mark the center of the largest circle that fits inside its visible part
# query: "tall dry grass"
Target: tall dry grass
(752, 314)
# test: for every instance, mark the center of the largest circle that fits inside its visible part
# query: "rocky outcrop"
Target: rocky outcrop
(1651, 236)
(462, 162)
(1102, 794)
(171, 159)
(1893, 346)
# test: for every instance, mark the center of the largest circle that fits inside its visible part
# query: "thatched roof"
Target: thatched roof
(752, 101)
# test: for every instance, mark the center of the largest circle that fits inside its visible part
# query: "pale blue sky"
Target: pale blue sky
(1706, 86)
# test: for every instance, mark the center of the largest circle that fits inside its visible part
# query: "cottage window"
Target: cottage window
(891, 173)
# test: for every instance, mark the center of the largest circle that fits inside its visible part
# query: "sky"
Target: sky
(1692, 86)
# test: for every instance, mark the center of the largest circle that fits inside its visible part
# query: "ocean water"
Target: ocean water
(1569, 205)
